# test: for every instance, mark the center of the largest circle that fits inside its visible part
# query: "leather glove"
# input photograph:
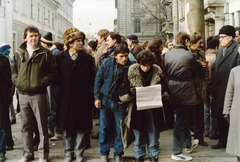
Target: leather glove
(133, 91)
(226, 117)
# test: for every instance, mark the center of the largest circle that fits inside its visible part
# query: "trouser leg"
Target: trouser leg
(140, 142)
(207, 118)
(213, 130)
(153, 135)
(38, 103)
(2, 141)
(181, 135)
(106, 116)
(68, 143)
(12, 112)
(2, 129)
(26, 126)
(223, 130)
(119, 114)
(198, 121)
(80, 143)
(36, 132)
(7, 126)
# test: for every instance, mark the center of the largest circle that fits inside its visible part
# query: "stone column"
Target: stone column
(237, 21)
(219, 22)
(195, 17)
(2, 23)
(206, 32)
(8, 23)
(175, 17)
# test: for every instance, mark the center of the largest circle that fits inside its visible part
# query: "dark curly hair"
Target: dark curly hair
(145, 57)
(121, 48)
(154, 44)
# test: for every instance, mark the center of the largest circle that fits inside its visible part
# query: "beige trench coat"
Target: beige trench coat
(232, 107)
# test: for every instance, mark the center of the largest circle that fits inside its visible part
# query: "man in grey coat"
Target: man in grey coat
(227, 57)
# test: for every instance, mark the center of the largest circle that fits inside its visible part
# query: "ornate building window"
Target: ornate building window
(136, 5)
(137, 26)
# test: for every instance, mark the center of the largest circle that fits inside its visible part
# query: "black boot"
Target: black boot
(139, 160)
(219, 145)
(153, 159)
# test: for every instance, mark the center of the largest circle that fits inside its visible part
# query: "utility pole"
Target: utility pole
(195, 17)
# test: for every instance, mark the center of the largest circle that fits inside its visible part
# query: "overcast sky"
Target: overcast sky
(90, 16)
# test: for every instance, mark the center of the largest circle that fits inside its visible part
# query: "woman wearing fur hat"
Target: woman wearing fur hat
(145, 123)
(76, 78)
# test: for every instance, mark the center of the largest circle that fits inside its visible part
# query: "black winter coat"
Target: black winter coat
(5, 84)
(75, 96)
(182, 66)
(221, 71)
(136, 49)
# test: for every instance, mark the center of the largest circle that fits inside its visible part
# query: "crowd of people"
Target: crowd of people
(61, 87)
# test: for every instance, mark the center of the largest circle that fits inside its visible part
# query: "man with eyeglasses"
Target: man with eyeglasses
(228, 56)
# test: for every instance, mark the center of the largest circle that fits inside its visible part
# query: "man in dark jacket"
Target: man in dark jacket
(33, 69)
(108, 83)
(52, 92)
(113, 39)
(197, 114)
(132, 41)
(75, 96)
(5, 86)
(181, 65)
(227, 57)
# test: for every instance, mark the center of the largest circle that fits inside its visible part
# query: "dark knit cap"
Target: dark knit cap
(228, 30)
(4, 47)
(132, 36)
(47, 38)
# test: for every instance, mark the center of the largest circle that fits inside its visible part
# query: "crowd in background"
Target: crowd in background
(61, 87)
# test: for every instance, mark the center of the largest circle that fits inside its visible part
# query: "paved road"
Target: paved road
(200, 154)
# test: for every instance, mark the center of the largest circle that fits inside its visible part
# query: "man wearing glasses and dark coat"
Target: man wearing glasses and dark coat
(228, 56)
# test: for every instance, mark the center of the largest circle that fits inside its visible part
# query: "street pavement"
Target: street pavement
(199, 154)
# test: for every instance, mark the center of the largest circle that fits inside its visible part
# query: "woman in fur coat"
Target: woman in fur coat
(145, 123)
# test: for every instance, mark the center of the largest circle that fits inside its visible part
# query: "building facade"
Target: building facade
(47, 15)
(142, 18)
(216, 14)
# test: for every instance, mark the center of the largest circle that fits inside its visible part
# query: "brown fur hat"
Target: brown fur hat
(71, 34)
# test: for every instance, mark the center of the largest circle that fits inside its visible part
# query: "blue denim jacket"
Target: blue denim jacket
(109, 79)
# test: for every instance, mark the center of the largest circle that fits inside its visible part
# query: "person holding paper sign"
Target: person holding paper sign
(145, 123)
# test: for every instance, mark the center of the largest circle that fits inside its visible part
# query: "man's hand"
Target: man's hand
(106, 50)
(133, 91)
(204, 64)
(98, 104)
(226, 117)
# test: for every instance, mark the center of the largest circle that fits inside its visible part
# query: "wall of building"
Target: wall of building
(53, 16)
(126, 16)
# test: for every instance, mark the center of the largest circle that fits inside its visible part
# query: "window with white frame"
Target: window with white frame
(137, 26)
(136, 5)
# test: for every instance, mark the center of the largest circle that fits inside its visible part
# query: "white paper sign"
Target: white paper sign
(149, 97)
